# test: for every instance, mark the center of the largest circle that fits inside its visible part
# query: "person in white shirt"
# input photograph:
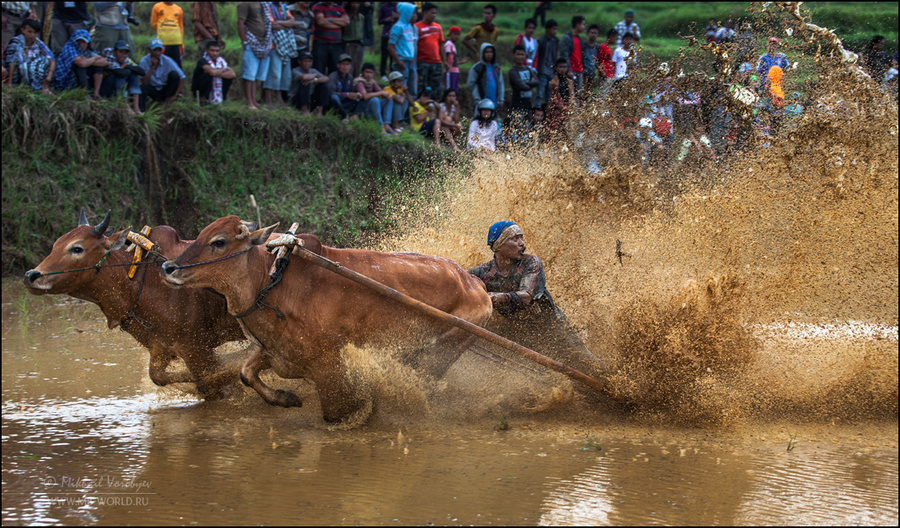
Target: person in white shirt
(621, 54)
(484, 129)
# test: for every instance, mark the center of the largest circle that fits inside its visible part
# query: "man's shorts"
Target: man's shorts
(253, 68)
(427, 129)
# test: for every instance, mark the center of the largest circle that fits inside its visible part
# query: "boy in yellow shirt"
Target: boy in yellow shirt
(168, 21)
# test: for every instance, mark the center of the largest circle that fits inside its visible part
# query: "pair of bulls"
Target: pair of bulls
(185, 307)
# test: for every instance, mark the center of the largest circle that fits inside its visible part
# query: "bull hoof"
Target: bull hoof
(288, 399)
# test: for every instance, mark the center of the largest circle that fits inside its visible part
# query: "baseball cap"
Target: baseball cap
(85, 37)
(156, 44)
(395, 75)
(305, 55)
(344, 57)
(121, 45)
(773, 39)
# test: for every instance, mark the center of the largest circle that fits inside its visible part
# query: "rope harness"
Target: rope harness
(96, 267)
(274, 278)
(226, 257)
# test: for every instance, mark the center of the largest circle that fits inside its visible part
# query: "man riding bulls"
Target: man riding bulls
(516, 284)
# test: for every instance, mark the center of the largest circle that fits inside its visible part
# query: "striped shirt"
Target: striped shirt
(334, 10)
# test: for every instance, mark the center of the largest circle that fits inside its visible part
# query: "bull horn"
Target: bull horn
(243, 232)
(100, 228)
(82, 218)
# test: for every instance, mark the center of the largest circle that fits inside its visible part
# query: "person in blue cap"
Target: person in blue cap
(518, 289)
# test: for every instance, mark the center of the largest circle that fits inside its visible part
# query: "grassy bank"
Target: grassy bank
(185, 166)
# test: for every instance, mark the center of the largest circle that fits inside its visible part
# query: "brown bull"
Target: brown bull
(304, 321)
(186, 324)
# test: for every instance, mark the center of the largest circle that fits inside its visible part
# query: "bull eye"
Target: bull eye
(77, 250)
(220, 243)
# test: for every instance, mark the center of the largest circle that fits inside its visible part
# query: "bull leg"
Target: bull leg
(206, 371)
(336, 395)
(159, 360)
(438, 356)
(250, 377)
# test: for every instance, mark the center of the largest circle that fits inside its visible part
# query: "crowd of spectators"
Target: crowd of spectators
(310, 56)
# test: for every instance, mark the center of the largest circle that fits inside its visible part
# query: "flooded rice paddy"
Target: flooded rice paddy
(87, 439)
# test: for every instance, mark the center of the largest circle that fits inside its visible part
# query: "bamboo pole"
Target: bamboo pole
(600, 385)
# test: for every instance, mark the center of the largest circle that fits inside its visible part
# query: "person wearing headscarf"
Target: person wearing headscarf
(28, 60)
(517, 286)
(78, 65)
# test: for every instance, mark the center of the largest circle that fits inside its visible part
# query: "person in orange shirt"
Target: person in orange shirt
(168, 21)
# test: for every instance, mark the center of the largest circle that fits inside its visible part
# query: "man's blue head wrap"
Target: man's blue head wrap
(496, 229)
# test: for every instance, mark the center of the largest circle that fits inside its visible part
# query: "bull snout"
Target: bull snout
(168, 267)
(31, 276)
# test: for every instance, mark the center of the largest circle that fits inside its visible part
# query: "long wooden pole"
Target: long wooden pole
(601, 385)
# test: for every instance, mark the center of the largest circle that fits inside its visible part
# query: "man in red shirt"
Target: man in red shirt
(606, 68)
(429, 65)
(570, 49)
(330, 18)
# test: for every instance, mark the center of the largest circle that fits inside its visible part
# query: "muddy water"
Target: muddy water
(87, 439)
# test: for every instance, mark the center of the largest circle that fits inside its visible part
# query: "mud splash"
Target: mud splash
(679, 284)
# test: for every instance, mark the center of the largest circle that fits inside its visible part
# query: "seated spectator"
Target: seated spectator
(725, 33)
(344, 97)
(122, 73)
(448, 112)
(711, 29)
(163, 80)
(484, 130)
(27, 60)
(400, 99)
(212, 76)
(79, 66)
(376, 103)
(423, 118)
(310, 89)
(485, 80)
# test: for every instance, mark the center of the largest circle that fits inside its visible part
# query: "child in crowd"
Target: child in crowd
(27, 60)
(423, 118)
(562, 90)
(375, 103)
(400, 98)
(484, 130)
(449, 112)
(451, 60)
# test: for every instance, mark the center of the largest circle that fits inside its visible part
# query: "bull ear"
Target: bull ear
(82, 218)
(251, 226)
(118, 239)
(260, 236)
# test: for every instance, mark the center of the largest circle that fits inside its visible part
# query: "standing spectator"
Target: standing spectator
(212, 77)
(589, 59)
(366, 10)
(530, 44)
(168, 21)
(344, 97)
(14, 13)
(451, 60)
(486, 32)
(28, 60)
(606, 68)
(387, 15)
(67, 18)
(570, 48)
(484, 129)
(403, 45)
(621, 55)
(255, 29)
(485, 80)
(122, 73)
(352, 36)
(522, 80)
(278, 79)
(428, 55)
(875, 60)
(330, 19)
(400, 98)
(725, 33)
(112, 25)
(746, 45)
(303, 23)
(628, 26)
(772, 57)
(163, 80)
(205, 18)
(548, 47)
(310, 90)
(562, 92)
(375, 103)
(79, 66)
(540, 12)
(711, 28)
